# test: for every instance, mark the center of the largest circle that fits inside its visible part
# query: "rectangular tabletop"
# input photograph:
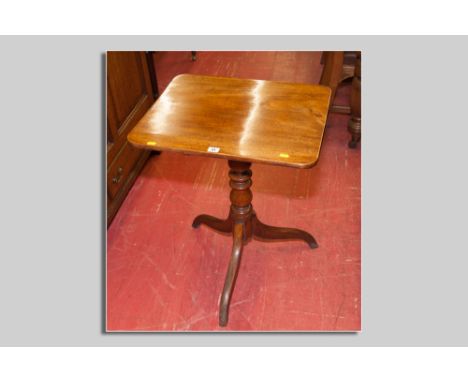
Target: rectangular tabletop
(247, 120)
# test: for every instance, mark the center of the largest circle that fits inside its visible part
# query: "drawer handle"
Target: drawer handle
(116, 179)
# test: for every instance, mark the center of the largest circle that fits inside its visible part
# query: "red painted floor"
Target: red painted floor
(164, 275)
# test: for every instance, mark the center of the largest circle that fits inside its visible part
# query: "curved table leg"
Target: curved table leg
(212, 222)
(237, 235)
(263, 231)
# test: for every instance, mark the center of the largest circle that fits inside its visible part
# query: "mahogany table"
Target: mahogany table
(243, 121)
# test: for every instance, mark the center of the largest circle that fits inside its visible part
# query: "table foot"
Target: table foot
(214, 223)
(266, 232)
(233, 268)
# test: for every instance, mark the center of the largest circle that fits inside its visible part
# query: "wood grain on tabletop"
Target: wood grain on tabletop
(249, 120)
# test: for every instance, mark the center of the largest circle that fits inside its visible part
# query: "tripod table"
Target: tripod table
(243, 121)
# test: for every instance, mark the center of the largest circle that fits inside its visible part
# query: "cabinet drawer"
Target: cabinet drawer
(121, 169)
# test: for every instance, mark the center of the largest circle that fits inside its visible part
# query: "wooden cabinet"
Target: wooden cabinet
(130, 94)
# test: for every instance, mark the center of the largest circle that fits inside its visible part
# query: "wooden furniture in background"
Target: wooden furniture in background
(332, 73)
(243, 121)
(354, 124)
(152, 73)
(129, 95)
(338, 67)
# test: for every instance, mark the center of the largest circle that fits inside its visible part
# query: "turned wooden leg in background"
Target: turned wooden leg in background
(354, 124)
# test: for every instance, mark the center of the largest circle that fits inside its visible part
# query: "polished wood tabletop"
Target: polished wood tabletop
(247, 120)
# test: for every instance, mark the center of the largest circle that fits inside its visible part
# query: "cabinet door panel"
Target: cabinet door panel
(129, 95)
(121, 169)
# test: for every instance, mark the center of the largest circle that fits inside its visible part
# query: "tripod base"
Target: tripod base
(258, 229)
(244, 224)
